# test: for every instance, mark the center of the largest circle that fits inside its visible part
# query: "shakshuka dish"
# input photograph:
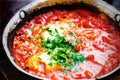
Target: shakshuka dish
(67, 45)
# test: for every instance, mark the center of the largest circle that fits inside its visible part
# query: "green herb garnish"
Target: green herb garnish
(78, 41)
(75, 70)
(49, 30)
(50, 64)
(31, 37)
(27, 67)
(71, 33)
(39, 58)
(61, 51)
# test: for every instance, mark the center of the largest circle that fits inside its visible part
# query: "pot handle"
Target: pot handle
(22, 14)
(117, 19)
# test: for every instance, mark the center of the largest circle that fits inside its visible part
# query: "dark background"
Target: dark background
(7, 70)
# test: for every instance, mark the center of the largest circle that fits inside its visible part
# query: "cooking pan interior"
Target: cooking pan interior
(31, 15)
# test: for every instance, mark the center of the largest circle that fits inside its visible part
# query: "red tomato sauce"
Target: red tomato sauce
(100, 44)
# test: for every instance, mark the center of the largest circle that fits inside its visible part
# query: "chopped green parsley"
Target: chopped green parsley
(61, 51)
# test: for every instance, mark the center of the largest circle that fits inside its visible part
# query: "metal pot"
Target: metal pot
(40, 6)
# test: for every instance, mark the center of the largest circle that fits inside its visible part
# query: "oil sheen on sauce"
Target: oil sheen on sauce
(99, 44)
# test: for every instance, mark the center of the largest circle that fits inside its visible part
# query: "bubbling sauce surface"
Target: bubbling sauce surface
(67, 45)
